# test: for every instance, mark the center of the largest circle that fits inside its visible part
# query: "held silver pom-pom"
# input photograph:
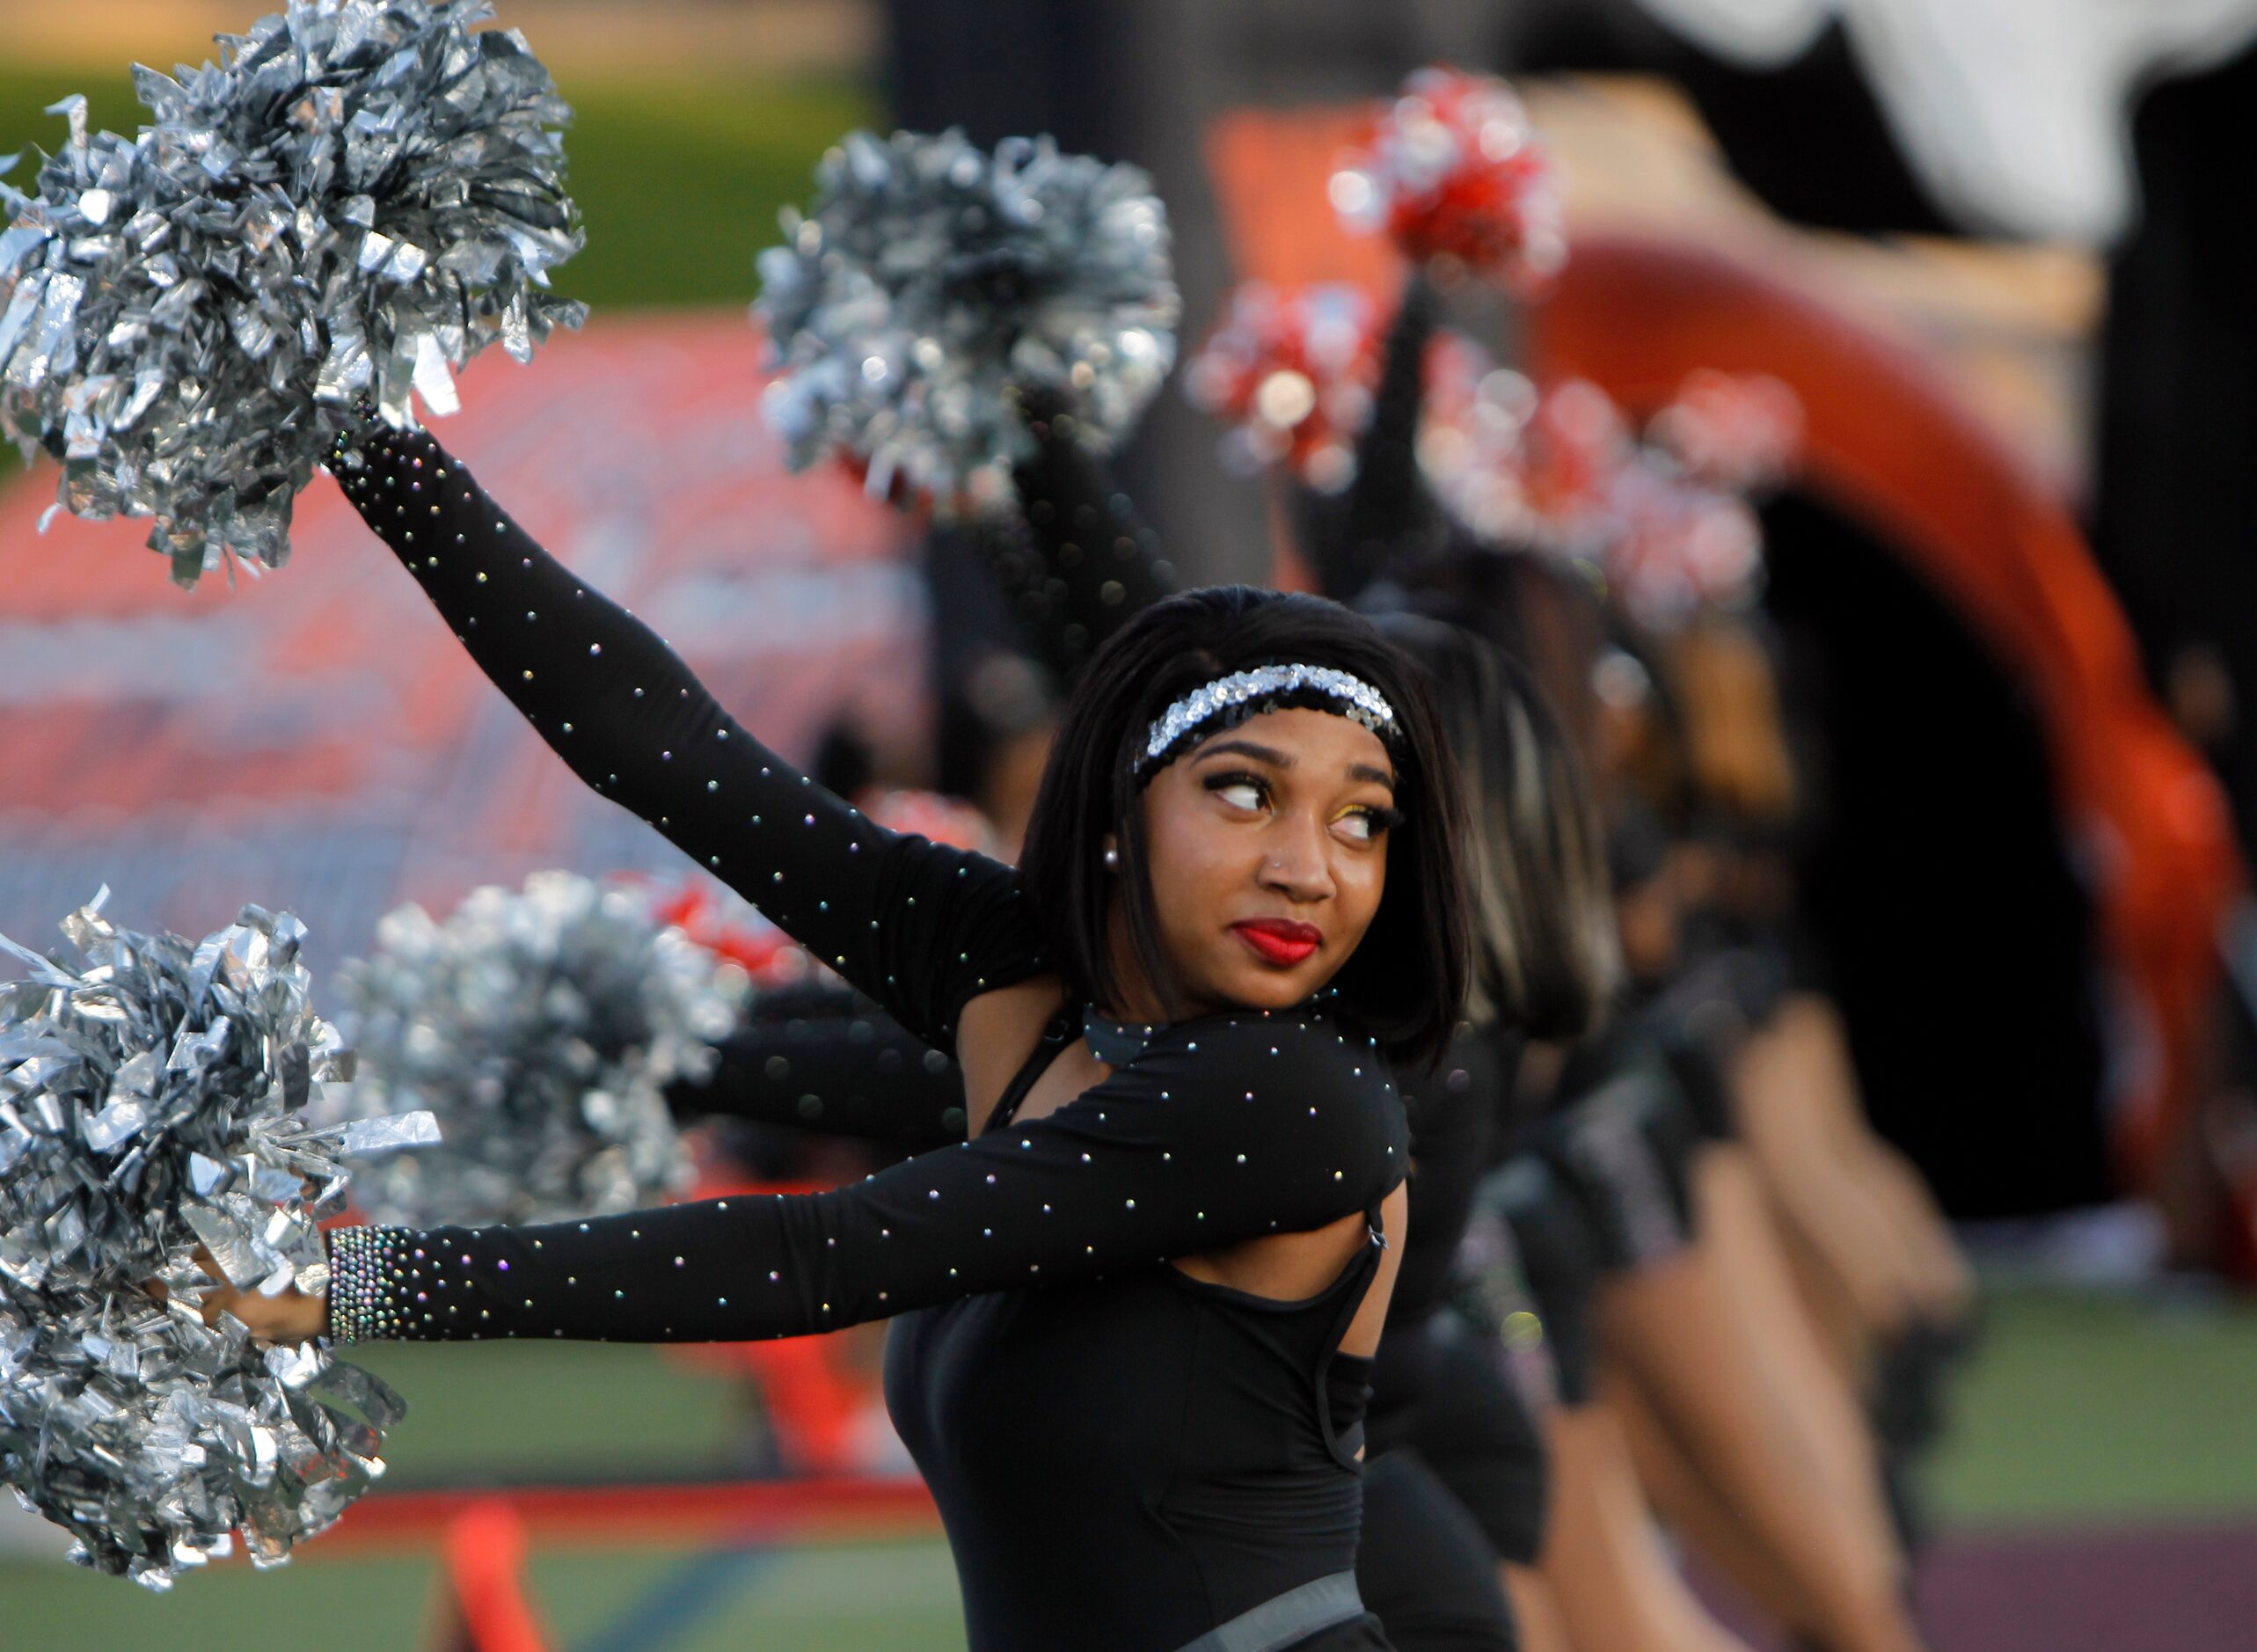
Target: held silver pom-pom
(931, 282)
(153, 1100)
(541, 1028)
(356, 199)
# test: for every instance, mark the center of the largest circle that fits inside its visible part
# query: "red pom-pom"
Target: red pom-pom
(1292, 375)
(1517, 465)
(1562, 471)
(933, 814)
(1738, 430)
(723, 924)
(1577, 447)
(1453, 171)
(1676, 547)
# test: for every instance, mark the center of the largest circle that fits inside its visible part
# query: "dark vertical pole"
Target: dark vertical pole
(2175, 522)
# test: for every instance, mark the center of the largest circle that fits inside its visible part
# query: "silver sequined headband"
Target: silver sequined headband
(1358, 701)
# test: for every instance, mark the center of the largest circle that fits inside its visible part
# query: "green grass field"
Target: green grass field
(874, 1597)
(2099, 1409)
(679, 183)
(2079, 1411)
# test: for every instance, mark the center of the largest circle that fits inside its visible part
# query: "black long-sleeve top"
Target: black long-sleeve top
(1146, 1167)
(1178, 1458)
(823, 1060)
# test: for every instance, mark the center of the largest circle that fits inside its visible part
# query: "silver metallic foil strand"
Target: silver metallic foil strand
(358, 197)
(153, 1098)
(930, 280)
(541, 1028)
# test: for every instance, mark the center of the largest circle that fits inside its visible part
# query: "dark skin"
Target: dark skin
(1279, 823)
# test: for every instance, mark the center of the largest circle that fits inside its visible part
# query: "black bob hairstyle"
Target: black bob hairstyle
(1406, 981)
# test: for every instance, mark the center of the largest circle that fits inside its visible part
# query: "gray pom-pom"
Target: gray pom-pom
(153, 1100)
(356, 199)
(541, 1028)
(933, 282)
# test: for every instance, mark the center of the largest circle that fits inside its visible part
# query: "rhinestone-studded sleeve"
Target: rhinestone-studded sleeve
(831, 1063)
(1388, 517)
(920, 927)
(1222, 1130)
(1078, 562)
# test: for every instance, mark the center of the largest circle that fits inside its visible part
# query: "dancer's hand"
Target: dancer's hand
(289, 1316)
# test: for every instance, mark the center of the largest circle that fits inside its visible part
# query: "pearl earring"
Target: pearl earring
(1112, 860)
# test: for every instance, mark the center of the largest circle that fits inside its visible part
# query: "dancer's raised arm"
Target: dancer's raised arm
(1078, 562)
(631, 719)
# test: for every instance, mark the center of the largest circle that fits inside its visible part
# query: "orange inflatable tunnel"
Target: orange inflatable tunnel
(1887, 443)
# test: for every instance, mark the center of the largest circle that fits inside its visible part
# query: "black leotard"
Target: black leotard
(1458, 1481)
(1534, 1245)
(1425, 1566)
(1623, 1138)
(1125, 1458)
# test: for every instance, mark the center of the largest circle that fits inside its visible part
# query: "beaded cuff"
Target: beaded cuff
(364, 1269)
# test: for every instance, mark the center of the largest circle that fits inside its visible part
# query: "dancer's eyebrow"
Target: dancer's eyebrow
(1270, 754)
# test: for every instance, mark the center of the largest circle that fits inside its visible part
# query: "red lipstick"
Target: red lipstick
(1280, 940)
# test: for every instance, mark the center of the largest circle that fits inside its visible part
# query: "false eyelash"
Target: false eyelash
(1385, 818)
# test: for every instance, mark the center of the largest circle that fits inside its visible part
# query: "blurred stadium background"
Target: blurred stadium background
(307, 741)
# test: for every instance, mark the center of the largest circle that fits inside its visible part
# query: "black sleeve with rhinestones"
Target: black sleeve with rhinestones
(834, 1065)
(1078, 562)
(919, 926)
(1224, 1129)
(1389, 520)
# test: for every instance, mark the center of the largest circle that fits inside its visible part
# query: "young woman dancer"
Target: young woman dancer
(1750, 1441)
(1075, 566)
(1137, 1303)
(1456, 1489)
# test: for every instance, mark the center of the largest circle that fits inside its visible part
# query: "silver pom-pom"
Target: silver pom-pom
(356, 199)
(153, 1100)
(933, 282)
(541, 1028)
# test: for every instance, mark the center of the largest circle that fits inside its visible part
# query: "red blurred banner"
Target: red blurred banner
(315, 739)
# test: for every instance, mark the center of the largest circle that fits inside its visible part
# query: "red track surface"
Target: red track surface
(670, 1515)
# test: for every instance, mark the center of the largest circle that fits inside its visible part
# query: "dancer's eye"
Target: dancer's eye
(1239, 790)
(1367, 823)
